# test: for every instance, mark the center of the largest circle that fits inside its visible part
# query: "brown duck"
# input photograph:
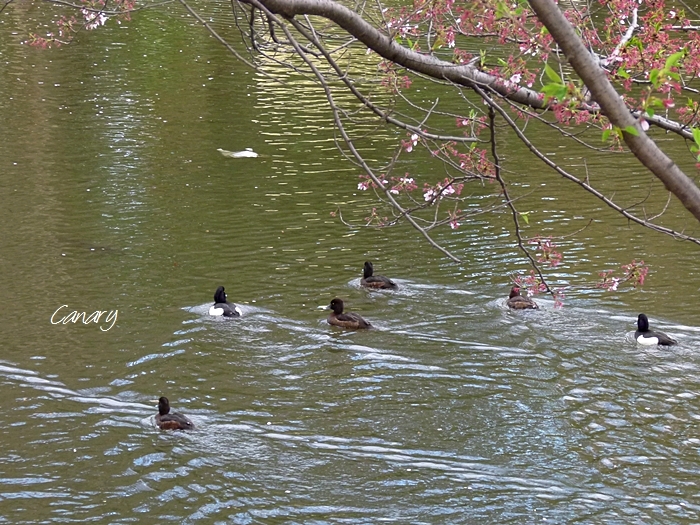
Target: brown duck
(167, 420)
(520, 302)
(346, 320)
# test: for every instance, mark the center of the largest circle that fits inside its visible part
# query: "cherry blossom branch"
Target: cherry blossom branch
(506, 196)
(585, 185)
(645, 149)
(356, 154)
(389, 49)
(623, 41)
(344, 78)
(81, 7)
(337, 119)
(385, 116)
(430, 66)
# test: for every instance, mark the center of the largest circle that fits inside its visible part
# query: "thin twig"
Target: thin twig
(356, 154)
(587, 187)
(224, 42)
(6, 4)
(504, 188)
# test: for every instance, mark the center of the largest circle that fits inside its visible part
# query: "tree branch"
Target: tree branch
(506, 196)
(584, 184)
(383, 45)
(356, 154)
(614, 108)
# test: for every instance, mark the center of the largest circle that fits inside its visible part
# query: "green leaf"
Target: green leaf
(502, 10)
(655, 102)
(606, 135)
(524, 215)
(439, 42)
(552, 75)
(550, 90)
(651, 112)
(636, 42)
(654, 77)
(673, 60)
(557, 91)
(622, 73)
(696, 136)
(632, 130)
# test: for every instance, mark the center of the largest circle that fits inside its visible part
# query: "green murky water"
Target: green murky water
(453, 410)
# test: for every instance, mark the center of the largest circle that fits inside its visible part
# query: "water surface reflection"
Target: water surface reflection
(505, 414)
(452, 410)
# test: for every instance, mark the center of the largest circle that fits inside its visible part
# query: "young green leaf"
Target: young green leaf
(654, 77)
(552, 75)
(673, 60)
(696, 136)
(557, 91)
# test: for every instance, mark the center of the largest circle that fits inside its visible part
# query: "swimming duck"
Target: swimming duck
(222, 306)
(376, 281)
(167, 420)
(520, 302)
(645, 336)
(347, 320)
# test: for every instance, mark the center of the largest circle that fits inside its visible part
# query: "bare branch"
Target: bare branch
(221, 40)
(356, 154)
(8, 2)
(585, 185)
(506, 196)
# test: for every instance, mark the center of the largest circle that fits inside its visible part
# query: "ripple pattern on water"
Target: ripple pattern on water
(453, 409)
(302, 422)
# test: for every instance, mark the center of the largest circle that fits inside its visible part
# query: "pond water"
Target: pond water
(453, 409)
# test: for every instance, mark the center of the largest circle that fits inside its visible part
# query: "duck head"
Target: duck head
(220, 295)
(163, 406)
(337, 306)
(642, 323)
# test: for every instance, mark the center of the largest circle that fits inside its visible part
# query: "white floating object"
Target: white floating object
(246, 153)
